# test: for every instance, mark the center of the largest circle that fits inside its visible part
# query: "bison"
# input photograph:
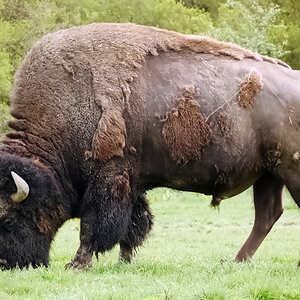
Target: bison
(104, 112)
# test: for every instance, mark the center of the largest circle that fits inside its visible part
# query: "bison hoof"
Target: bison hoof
(124, 260)
(125, 255)
(4, 264)
(78, 265)
(82, 259)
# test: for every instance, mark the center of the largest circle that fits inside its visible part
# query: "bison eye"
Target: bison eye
(7, 224)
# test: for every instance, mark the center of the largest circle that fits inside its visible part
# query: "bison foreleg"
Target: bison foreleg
(105, 214)
(268, 208)
(139, 226)
(84, 254)
(126, 253)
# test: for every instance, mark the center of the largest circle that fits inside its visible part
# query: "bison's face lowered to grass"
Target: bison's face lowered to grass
(24, 239)
(21, 243)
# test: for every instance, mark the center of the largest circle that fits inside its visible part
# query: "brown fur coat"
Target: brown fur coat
(113, 54)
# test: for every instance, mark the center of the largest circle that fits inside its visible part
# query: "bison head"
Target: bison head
(26, 190)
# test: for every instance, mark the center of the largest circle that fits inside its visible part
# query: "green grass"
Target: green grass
(188, 256)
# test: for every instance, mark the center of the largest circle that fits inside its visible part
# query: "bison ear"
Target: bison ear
(22, 188)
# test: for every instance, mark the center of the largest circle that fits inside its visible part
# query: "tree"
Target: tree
(210, 6)
(253, 26)
(290, 14)
(10, 55)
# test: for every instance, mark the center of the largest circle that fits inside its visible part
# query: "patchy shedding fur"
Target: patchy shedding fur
(49, 222)
(109, 138)
(249, 88)
(120, 188)
(185, 131)
(223, 124)
(113, 54)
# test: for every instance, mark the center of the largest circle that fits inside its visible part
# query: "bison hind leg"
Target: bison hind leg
(138, 228)
(268, 208)
(290, 175)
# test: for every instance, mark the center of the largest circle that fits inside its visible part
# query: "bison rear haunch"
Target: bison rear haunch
(104, 112)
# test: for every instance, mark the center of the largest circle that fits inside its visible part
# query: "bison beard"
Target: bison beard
(88, 142)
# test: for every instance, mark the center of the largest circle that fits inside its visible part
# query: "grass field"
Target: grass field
(188, 256)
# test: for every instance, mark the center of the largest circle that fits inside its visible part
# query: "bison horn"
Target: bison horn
(22, 188)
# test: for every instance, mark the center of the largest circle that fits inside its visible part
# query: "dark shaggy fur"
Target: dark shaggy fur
(140, 224)
(22, 242)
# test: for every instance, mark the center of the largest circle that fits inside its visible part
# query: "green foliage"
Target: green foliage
(10, 54)
(277, 35)
(290, 10)
(293, 46)
(161, 13)
(252, 26)
(210, 6)
(290, 14)
(49, 15)
(5, 75)
(4, 117)
(14, 10)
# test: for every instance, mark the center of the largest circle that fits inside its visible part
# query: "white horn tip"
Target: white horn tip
(22, 188)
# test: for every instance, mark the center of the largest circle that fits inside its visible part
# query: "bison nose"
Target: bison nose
(4, 264)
